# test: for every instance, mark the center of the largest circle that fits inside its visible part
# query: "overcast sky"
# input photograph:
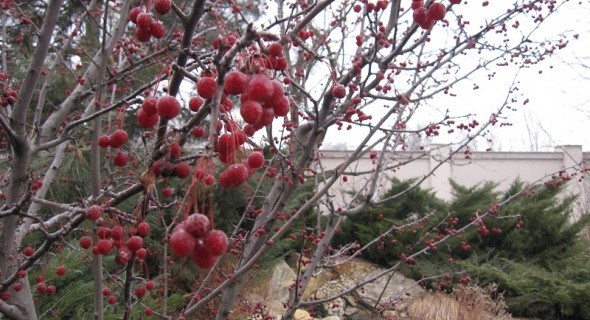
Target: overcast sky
(559, 109)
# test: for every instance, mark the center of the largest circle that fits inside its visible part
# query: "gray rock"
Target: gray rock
(393, 291)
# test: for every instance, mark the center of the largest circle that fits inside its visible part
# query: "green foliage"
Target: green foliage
(531, 249)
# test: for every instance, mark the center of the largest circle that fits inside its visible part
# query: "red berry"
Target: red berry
(104, 246)
(17, 287)
(85, 242)
(175, 150)
(149, 106)
(166, 169)
(198, 131)
(143, 35)
(120, 159)
(21, 273)
(417, 4)
(93, 213)
(428, 24)
(420, 15)
(148, 311)
(118, 138)
(118, 233)
(112, 300)
(207, 87)
(5, 295)
(51, 290)
(106, 292)
(133, 13)
(144, 20)
(235, 83)
(157, 30)
(216, 241)
(275, 49)
(182, 242)
(139, 292)
(143, 229)
(226, 144)
(168, 107)
(60, 271)
(141, 254)
(104, 232)
(281, 107)
(455, 1)
(251, 111)
(42, 288)
(135, 243)
(195, 103)
(338, 91)
(104, 141)
(167, 192)
(256, 160)
(437, 11)
(209, 180)
(202, 257)
(28, 251)
(197, 225)
(182, 170)
(145, 121)
(39, 279)
(162, 6)
(357, 8)
(150, 285)
(123, 255)
(259, 88)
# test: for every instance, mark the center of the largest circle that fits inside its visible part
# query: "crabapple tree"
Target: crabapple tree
(223, 94)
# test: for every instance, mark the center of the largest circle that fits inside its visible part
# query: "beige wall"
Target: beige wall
(501, 167)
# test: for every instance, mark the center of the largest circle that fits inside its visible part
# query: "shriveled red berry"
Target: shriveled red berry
(206, 87)
(168, 107)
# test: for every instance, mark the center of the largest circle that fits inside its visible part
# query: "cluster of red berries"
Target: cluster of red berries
(147, 27)
(43, 288)
(172, 166)
(236, 174)
(194, 237)
(426, 18)
(8, 97)
(116, 140)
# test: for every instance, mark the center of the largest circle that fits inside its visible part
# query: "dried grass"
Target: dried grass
(465, 303)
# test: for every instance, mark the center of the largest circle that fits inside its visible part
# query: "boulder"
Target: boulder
(388, 290)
